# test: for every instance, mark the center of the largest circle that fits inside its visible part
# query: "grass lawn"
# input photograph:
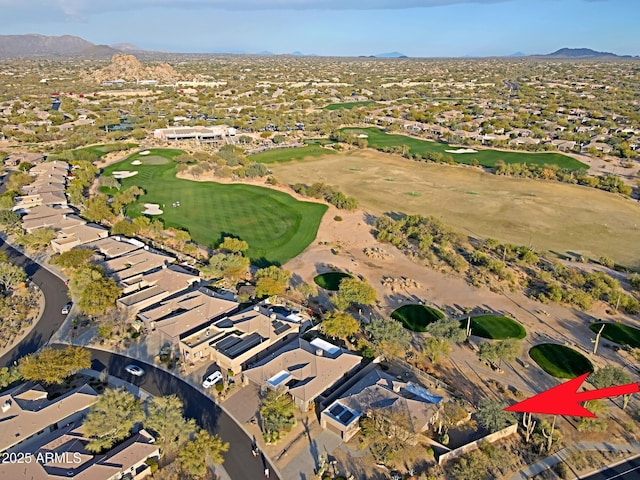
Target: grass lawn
(485, 157)
(619, 333)
(560, 361)
(276, 226)
(515, 210)
(330, 280)
(416, 317)
(496, 327)
(348, 105)
(287, 154)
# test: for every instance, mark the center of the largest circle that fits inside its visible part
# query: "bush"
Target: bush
(153, 464)
(219, 387)
(337, 218)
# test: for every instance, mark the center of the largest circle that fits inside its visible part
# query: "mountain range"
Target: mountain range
(69, 45)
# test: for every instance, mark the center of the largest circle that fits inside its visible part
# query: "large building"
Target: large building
(204, 134)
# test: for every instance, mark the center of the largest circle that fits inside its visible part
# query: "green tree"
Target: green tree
(82, 277)
(9, 219)
(492, 416)
(99, 296)
(598, 423)
(10, 276)
(97, 209)
(109, 181)
(233, 245)
(339, 324)
(124, 227)
(435, 348)
(53, 365)
(447, 329)
(37, 240)
(165, 420)
(389, 337)
(9, 375)
(204, 446)
(353, 291)
(271, 281)
(503, 350)
(111, 419)
(73, 259)
(277, 412)
(228, 266)
(608, 377)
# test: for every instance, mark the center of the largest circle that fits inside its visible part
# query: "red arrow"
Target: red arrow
(564, 399)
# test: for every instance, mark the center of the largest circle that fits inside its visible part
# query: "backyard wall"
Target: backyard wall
(469, 447)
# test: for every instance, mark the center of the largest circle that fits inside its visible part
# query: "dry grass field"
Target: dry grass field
(548, 215)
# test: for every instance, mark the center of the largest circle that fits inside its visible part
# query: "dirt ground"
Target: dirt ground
(545, 214)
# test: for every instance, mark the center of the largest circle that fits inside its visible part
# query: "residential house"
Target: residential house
(239, 338)
(304, 369)
(180, 316)
(386, 395)
(27, 413)
(77, 235)
(149, 288)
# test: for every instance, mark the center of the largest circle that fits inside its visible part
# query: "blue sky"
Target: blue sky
(429, 28)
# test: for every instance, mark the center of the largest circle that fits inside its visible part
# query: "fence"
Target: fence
(470, 447)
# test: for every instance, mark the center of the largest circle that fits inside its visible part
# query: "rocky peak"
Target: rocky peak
(127, 67)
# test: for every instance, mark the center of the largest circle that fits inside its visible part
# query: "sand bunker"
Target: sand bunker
(124, 174)
(136, 162)
(146, 152)
(462, 150)
(152, 209)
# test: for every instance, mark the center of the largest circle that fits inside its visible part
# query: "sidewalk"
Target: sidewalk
(562, 455)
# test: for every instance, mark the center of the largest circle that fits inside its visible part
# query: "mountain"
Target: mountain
(518, 54)
(98, 52)
(391, 55)
(579, 53)
(127, 67)
(32, 44)
(127, 48)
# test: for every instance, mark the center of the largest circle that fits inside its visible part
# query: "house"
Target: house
(127, 268)
(180, 316)
(77, 235)
(217, 132)
(27, 413)
(62, 454)
(112, 247)
(149, 288)
(386, 394)
(236, 339)
(304, 369)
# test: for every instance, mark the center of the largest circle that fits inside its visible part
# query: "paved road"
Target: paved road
(55, 293)
(629, 470)
(239, 463)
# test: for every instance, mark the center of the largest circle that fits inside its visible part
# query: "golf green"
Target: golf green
(619, 333)
(560, 361)
(496, 327)
(276, 226)
(416, 317)
(378, 139)
(287, 154)
(330, 280)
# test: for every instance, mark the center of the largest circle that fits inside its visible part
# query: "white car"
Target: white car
(134, 370)
(212, 379)
(66, 309)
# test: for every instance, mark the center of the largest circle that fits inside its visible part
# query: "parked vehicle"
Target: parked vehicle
(212, 379)
(134, 370)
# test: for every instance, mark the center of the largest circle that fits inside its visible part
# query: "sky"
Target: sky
(417, 28)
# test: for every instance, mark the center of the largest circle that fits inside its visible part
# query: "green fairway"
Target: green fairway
(619, 333)
(102, 150)
(416, 317)
(330, 280)
(496, 327)
(348, 105)
(560, 361)
(276, 226)
(287, 154)
(378, 139)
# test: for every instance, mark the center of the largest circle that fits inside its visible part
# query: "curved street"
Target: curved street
(239, 462)
(55, 293)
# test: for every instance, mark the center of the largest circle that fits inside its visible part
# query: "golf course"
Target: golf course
(276, 226)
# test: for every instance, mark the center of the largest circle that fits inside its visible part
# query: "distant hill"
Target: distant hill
(391, 55)
(99, 51)
(518, 54)
(127, 48)
(579, 53)
(33, 44)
